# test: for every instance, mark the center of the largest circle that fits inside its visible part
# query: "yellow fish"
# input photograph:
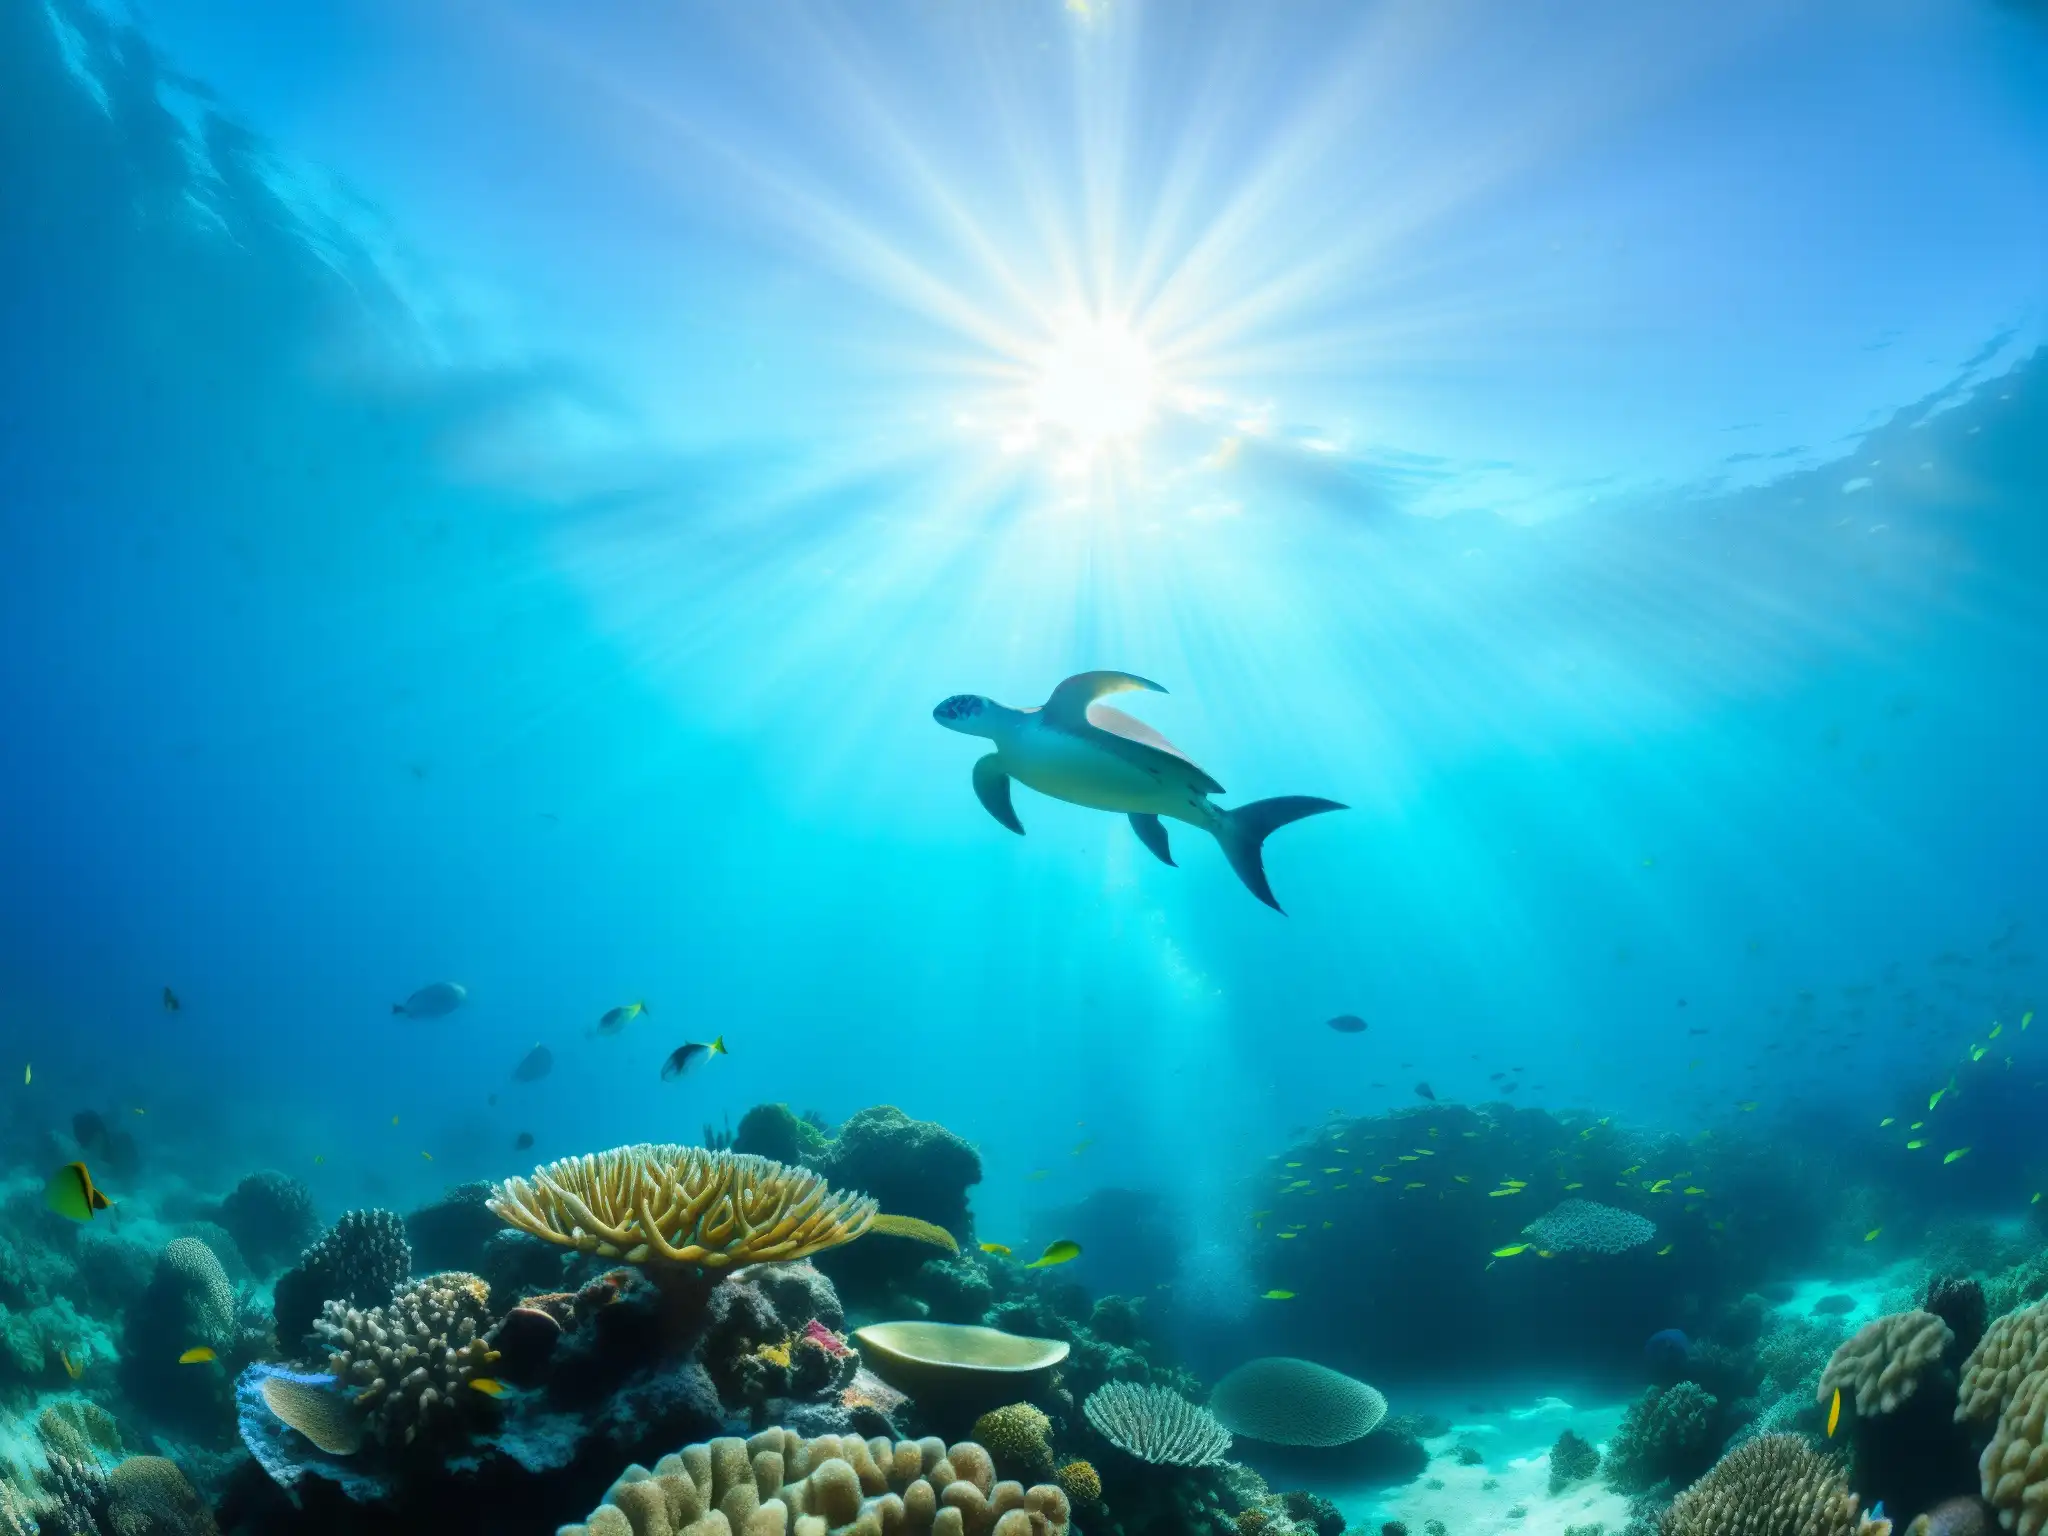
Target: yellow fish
(1997, 1030)
(1065, 1251)
(1959, 1152)
(1283, 1236)
(1002, 1252)
(1294, 1165)
(1333, 1170)
(1834, 1412)
(1887, 1120)
(1381, 1178)
(72, 1368)
(1660, 1186)
(490, 1386)
(1915, 1146)
(2037, 1198)
(1278, 1296)
(1418, 1184)
(1632, 1168)
(1665, 1249)
(1916, 1125)
(1694, 1189)
(1510, 1251)
(1495, 1194)
(2026, 1018)
(1462, 1178)
(1935, 1097)
(428, 1156)
(1871, 1235)
(198, 1354)
(72, 1194)
(1977, 1052)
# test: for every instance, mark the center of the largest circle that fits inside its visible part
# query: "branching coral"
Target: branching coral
(409, 1360)
(1295, 1402)
(361, 1260)
(1158, 1427)
(1586, 1226)
(1667, 1434)
(667, 1204)
(1881, 1365)
(1774, 1486)
(1572, 1458)
(830, 1486)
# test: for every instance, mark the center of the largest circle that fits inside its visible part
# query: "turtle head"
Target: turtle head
(968, 713)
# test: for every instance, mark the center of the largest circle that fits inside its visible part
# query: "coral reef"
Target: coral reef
(270, 1217)
(408, 1362)
(763, 1486)
(776, 1132)
(668, 1204)
(1018, 1437)
(1961, 1304)
(1572, 1459)
(1295, 1402)
(912, 1168)
(1586, 1226)
(1880, 1366)
(2015, 1464)
(1157, 1426)
(149, 1496)
(1774, 1486)
(453, 1232)
(360, 1260)
(1081, 1482)
(2013, 1348)
(188, 1303)
(1668, 1435)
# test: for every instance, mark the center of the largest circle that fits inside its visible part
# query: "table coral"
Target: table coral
(1880, 1366)
(409, 1361)
(667, 1204)
(831, 1486)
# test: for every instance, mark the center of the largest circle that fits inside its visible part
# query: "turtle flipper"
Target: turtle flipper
(1152, 833)
(992, 789)
(1068, 706)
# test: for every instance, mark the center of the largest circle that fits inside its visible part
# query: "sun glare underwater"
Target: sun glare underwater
(932, 768)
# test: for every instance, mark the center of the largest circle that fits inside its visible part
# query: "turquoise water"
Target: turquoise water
(494, 497)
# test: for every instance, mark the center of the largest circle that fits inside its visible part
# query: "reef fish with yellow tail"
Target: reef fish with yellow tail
(616, 1019)
(688, 1055)
(1064, 1251)
(1077, 749)
(72, 1194)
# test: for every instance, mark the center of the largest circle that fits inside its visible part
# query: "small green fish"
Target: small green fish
(1064, 1251)
(998, 1249)
(1959, 1152)
(1278, 1296)
(1510, 1251)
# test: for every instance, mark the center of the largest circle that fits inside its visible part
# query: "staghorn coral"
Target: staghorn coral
(667, 1204)
(1080, 1481)
(2013, 1348)
(149, 1496)
(360, 1260)
(74, 1498)
(1018, 1436)
(1667, 1434)
(409, 1360)
(1880, 1366)
(270, 1217)
(1586, 1226)
(1295, 1402)
(831, 1486)
(2014, 1467)
(1778, 1485)
(1157, 1426)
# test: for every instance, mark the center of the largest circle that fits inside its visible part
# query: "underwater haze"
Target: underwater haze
(547, 553)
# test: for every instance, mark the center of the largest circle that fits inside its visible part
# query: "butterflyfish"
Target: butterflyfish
(72, 1194)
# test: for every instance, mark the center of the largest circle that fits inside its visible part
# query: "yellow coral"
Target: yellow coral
(775, 1354)
(1018, 1436)
(651, 1204)
(1083, 1484)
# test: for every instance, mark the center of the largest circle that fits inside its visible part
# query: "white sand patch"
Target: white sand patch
(1866, 1291)
(1510, 1491)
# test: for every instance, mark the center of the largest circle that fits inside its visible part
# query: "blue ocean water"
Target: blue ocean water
(493, 497)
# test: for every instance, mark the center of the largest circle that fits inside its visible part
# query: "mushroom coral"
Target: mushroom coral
(665, 1204)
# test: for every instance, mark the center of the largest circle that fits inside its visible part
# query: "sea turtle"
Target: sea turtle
(1077, 749)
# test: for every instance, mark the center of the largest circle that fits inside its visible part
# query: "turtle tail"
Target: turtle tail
(1244, 830)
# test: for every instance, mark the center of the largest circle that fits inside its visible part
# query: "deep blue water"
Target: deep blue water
(495, 496)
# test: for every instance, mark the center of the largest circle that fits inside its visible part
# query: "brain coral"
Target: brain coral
(270, 1216)
(1777, 1485)
(1295, 1402)
(652, 1204)
(831, 1486)
(188, 1271)
(1586, 1226)
(2014, 1467)
(1157, 1426)
(2013, 1348)
(1881, 1365)
(1019, 1437)
(409, 1360)
(361, 1260)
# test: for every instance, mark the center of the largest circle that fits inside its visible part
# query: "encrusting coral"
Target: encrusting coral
(1880, 1366)
(779, 1484)
(409, 1361)
(1777, 1485)
(667, 1204)
(1157, 1426)
(1296, 1402)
